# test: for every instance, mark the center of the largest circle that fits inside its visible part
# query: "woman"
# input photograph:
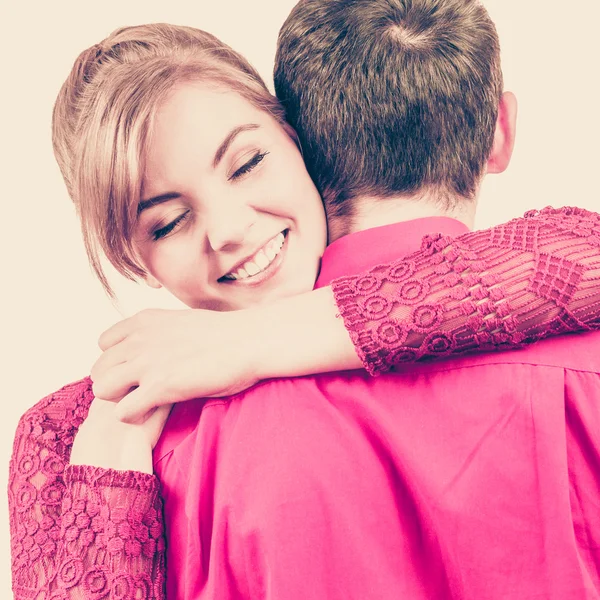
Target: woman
(243, 226)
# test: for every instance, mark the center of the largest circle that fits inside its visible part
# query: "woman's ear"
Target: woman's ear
(504, 137)
(152, 282)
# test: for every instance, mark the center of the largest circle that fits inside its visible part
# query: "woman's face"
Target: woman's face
(228, 217)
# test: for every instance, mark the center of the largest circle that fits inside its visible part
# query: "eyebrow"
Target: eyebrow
(221, 150)
(229, 140)
(144, 204)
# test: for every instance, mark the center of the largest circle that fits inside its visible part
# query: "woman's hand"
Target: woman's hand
(105, 441)
(160, 356)
(164, 356)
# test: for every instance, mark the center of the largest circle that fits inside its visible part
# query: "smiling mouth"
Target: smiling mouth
(258, 262)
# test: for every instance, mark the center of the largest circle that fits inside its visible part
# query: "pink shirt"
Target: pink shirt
(472, 478)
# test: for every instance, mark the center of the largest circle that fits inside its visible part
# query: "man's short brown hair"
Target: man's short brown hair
(391, 97)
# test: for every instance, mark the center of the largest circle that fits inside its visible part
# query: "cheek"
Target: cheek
(293, 188)
(302, 200)
(175, 264)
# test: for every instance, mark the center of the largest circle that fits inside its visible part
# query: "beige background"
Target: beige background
(52, 308)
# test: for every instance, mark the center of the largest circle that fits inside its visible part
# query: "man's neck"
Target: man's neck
(375, 212)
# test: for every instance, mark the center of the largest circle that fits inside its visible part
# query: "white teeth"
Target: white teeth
(260, 261)
(251, 268)
(278, 241)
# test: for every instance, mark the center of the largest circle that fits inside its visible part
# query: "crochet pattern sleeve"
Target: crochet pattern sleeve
(79, 532)
(493, 289)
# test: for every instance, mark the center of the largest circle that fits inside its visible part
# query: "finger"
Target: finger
(116, 355)
(116, 383)
(138, 402)
(100, 408)
(115, 334)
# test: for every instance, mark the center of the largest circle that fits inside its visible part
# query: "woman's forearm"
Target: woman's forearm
(300, 335)
(493, 289)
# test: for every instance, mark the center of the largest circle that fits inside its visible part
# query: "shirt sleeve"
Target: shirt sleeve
(79, 532)
(494, 289)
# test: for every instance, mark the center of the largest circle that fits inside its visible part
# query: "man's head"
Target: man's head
(394, 98)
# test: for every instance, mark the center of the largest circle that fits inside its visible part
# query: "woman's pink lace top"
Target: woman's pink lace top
(81, 532)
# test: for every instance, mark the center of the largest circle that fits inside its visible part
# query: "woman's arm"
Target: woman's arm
(493, 289)
(77, 530)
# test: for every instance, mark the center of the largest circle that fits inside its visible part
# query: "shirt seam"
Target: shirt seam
(416, 368)
(503, 362)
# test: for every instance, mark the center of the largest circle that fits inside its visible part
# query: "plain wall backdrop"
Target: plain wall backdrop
(53, 309)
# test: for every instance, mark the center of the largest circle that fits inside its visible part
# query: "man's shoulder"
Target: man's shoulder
(577, 352)
(288, 396)
(574, 352)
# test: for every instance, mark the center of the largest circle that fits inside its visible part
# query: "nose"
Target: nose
(228, 226)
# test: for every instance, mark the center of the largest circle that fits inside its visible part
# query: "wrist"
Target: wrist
(253, 348)
(300, 335)
(103, 441)
(126, 457)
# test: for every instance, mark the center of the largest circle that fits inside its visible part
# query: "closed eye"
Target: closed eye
(248, 166)
(158, 234)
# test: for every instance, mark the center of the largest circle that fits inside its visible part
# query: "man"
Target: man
(471, 479)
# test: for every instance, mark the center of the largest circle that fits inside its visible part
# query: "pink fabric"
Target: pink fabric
(476, 478)
(84, 532)
(78, 532)
(492, 289)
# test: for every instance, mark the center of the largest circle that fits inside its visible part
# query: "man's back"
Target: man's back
(472, 478)
(475, 478)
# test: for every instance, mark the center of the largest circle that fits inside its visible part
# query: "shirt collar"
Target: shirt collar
(357, 252)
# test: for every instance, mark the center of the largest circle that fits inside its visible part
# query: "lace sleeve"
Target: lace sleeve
(494, 289)
(78, 532)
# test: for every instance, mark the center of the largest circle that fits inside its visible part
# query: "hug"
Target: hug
(353, 405)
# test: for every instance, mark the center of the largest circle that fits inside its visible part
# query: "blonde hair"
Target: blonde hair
(103, 118)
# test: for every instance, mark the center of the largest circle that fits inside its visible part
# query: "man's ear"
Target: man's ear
(152, 282)
(504, 138)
